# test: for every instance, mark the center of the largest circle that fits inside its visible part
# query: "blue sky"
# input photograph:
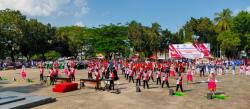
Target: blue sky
(171, 14)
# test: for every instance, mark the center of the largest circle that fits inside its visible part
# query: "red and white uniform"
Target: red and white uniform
(248, 70)
(172, 72)
(41, 70)
(23, 73)
(131, 73)
(139, 74)
(165, 77)
(189, 75)
(112, 76)
(72, 71)
(66, 70)
(97, 76)
(146, 77)
(151, 74)
(179, 80)
(242, 69)
(158, 74)
(51, 73)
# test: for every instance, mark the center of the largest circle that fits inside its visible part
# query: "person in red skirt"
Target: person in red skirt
(23, 73)
(172, 71)
(189, 75)
(211, 83)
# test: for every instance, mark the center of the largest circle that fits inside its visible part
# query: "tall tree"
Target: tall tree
(230, 43)
(135, 35)
(11, 25)
(240, 24)
(223, 19)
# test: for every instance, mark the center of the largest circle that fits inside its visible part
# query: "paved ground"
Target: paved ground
(237, 87)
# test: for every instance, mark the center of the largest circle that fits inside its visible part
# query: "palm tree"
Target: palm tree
(223, 19)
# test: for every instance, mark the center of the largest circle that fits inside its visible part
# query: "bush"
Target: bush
(52, 55)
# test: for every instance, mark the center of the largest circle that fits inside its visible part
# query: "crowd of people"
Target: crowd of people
(146, 71)
(137, 72)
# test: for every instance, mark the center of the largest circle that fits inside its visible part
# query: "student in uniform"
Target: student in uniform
(138, 78)
(242, 69)
(131, 75)
(72, 73)
(248, 70)
(41, 70)
(165, 80)
(179, 83)
(158, 78)
(189, 75)
(112, 78)
(51, 76)
(23, 73)
(145, 80)
(151, 75)
(211, 83)
(97, 77)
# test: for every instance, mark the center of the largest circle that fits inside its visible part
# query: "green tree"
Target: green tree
(74, 36)
(223, 19)
(110, 38)
(229, 43)
(240, 24)
(135, 35)
(11, 25)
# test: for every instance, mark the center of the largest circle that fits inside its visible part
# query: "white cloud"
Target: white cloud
(79, 23)
(46, 7)
(248, 9)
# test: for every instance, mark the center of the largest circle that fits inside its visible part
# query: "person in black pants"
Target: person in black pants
(202, 70)
(165, 80)
(158, 79)
(179, 83)
(112, 78)
(131, 76)
(145, 80)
